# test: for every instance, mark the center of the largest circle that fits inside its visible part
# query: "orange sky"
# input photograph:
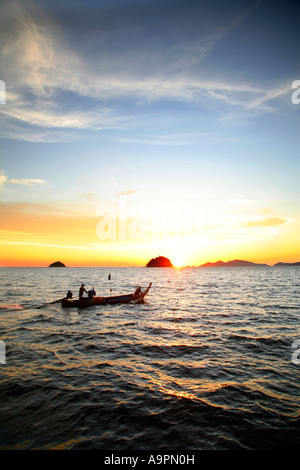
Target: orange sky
(34, 235)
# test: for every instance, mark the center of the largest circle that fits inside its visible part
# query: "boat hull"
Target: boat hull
(117, 299)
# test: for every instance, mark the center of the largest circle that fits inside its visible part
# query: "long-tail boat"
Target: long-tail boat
(136, 297)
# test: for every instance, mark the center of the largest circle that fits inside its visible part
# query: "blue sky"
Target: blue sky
(164, 100)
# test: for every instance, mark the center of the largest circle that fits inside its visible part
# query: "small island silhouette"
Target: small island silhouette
(236, 262)
(159, 262)
(57, 264)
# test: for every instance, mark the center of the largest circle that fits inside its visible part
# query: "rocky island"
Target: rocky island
(57, 264)
(159, 262)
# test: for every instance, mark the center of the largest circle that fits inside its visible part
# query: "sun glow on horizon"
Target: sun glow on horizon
(20, 249)
(178, 261)
(34, 234)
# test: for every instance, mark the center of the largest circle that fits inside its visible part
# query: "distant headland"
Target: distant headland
(288, 264)
(236, 262)
(242, 263)
(57, 264)
(159, 262)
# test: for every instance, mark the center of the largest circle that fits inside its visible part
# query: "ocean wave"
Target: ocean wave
(184, 371)
(11, 307)
(183, 319)
(170, 350)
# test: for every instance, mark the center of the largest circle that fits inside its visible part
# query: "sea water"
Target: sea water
(209, 361)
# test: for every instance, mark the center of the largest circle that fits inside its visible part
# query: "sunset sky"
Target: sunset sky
(140, 128)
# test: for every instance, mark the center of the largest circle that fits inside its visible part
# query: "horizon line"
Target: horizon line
(176, 267)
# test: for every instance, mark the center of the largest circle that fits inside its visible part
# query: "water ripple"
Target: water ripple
(205, 363)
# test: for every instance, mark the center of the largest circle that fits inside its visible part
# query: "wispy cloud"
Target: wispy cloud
(25, 181)
(49, 118)
(3, 178)
(129, 192)
(268, 222)
(59, 86)
(275, 91)
(236, 202)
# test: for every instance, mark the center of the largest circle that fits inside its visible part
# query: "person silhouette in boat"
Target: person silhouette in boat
(138, 291)
(81, 291)
(91, 293)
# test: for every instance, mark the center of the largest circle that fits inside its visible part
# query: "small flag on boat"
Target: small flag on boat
(109, 277)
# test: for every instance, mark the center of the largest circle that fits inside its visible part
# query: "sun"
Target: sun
(180, 250)
(177, 261)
